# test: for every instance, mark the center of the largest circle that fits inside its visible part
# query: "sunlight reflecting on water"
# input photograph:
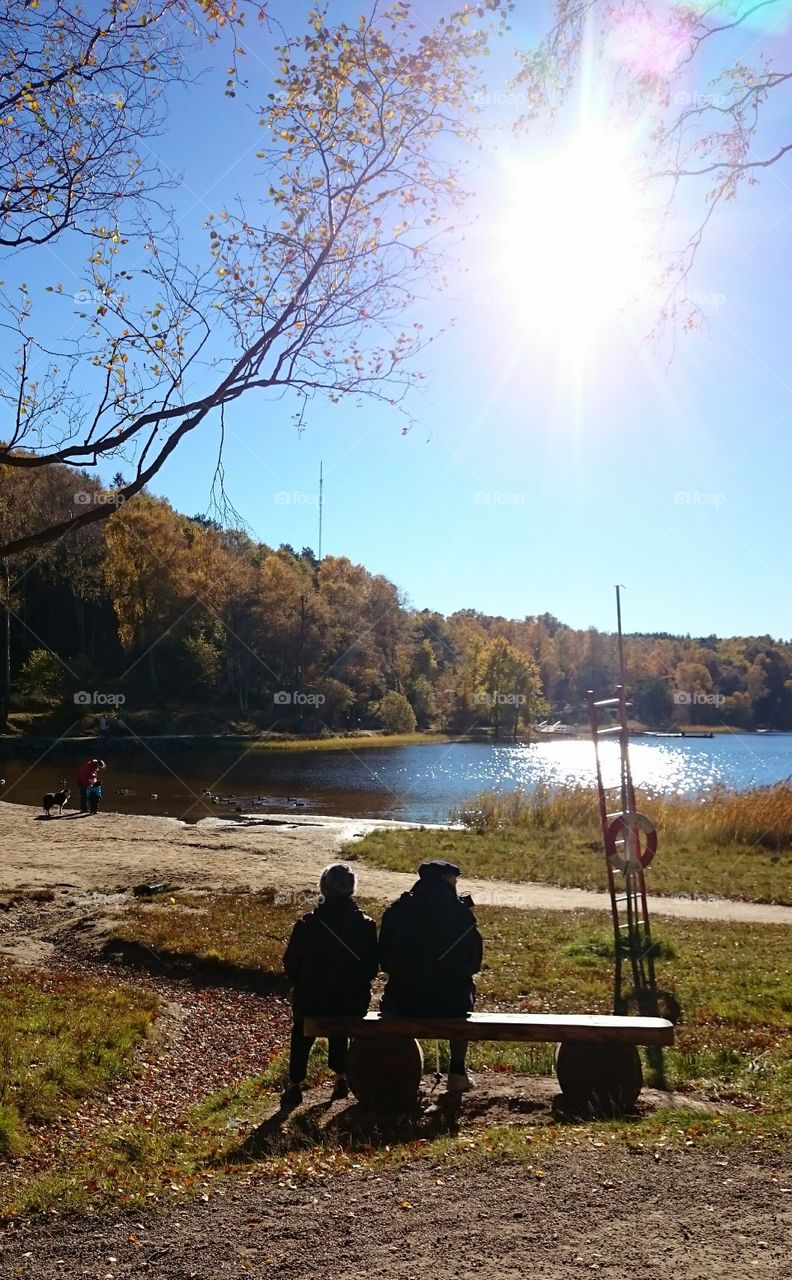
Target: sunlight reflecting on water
(570, 763)
(685, 769)
(659, 767)
(421, 783)
(421, 780)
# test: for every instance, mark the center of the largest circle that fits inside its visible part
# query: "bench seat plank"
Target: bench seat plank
(563, 1028)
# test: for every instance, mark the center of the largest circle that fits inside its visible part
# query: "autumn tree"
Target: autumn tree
(145, 569)
(82, 95)
(224, 568)
(232, 621)
(509, 686)
(357, 616)
(40, 495)
(287, 618)
(769, 684)
(423, 702)
(397, 714)
(310, 291)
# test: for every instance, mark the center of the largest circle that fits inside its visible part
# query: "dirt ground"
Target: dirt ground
(581, 1211)
(584, 1207)
(118, 850)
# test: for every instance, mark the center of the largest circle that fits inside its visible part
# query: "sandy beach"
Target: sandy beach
(115, 851)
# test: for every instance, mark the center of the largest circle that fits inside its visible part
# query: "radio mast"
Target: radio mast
(319, 556)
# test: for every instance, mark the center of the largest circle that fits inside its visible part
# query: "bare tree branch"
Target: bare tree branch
(312, 295)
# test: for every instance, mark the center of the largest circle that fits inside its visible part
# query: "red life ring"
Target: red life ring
(621, 827)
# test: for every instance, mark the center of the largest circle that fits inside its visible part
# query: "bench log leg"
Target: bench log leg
(605, 1077)
(384, 1072)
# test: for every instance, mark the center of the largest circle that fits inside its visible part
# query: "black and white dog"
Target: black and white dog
(58, 798)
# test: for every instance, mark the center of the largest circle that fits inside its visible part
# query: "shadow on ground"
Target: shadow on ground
(196, 969)
(499, 1099)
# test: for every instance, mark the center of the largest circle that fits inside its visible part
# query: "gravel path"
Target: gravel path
(116, 850)
(585, 1209)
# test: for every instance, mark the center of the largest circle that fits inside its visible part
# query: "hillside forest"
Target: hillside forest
(178, 614)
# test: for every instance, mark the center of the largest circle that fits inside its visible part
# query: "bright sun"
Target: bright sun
(574, 246)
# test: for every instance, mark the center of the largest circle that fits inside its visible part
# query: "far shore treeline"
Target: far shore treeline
(179, 615)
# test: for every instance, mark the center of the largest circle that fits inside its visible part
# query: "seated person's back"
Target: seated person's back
(331, 959)
(430, 947)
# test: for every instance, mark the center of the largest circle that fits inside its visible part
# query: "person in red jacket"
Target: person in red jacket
(330, 962)
(87, 775)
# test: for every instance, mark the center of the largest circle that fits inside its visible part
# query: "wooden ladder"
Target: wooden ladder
(629, 842)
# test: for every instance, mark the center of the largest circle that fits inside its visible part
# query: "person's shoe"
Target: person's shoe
(459, 1082)
(340, 1089)
(292, 1096)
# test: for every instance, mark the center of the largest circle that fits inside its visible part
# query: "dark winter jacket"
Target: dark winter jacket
(331, 959)
(430, 947)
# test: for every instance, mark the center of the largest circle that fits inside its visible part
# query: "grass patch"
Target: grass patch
(61, 1038)
(350, 742)
(734, 984)
(142, 1165)
(243, 932)
(736, 845)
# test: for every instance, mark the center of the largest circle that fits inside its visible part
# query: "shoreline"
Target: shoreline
(29, 743)
(112, 852)
(25, 744)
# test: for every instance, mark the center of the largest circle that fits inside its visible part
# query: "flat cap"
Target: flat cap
(437, 867)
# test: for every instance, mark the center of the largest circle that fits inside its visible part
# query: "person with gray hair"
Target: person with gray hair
(330, 962)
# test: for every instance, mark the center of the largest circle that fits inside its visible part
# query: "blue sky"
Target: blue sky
(531, 486)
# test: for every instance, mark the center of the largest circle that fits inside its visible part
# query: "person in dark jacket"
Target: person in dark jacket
(430, 947)
(330, 962)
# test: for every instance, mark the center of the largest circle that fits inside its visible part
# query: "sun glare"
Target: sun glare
(574, 246)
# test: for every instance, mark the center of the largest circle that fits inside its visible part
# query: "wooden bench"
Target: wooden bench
(597, 1060)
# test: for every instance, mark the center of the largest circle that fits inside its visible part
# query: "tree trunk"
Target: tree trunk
(153, 676)
(5, 680)
(79, 609)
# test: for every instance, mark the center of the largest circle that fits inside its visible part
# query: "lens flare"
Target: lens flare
(574, 246)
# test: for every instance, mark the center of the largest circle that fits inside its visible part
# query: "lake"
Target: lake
(412, 783)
